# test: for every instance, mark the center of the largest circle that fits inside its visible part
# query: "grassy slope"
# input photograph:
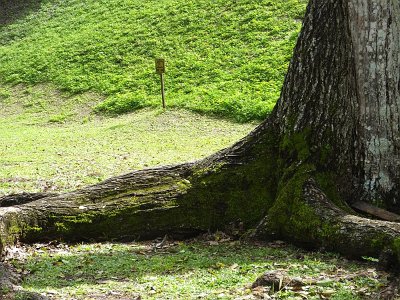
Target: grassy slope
(223, 57)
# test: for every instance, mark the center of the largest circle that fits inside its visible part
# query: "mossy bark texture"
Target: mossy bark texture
(331, 139)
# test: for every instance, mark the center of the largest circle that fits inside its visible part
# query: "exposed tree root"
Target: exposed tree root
(325, 226)
(241, 184)
(233, 185)
(376, 212)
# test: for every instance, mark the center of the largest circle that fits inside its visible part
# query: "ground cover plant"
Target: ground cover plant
(223, 57)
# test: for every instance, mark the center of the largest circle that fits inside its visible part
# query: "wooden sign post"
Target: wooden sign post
(160, 69)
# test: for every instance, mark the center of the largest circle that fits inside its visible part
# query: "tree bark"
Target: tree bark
(342, 95)
(331, 139)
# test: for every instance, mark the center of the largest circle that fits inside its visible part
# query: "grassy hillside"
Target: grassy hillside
(223, 57)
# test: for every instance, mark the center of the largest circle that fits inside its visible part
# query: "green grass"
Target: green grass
(223, 57)
(190, 270)
(50, 141)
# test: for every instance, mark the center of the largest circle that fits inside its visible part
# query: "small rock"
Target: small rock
(275, 279)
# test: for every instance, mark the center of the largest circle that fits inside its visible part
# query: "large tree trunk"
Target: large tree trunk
(332, 139)
(342, 95)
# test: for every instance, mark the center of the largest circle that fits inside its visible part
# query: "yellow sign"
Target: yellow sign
(160, 65)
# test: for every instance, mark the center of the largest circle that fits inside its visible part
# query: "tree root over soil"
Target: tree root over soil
(325, 226)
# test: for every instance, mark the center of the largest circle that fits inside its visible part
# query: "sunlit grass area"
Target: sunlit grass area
(50, 141)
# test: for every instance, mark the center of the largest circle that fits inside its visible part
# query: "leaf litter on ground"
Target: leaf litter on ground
(211, 266)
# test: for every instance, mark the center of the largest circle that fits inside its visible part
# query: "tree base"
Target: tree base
(304, 215)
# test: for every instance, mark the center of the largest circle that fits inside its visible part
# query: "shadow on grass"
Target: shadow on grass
(123, 263)
(12, 10)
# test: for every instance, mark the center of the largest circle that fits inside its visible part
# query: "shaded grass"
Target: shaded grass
(223, 57)
(189, 270)
(12, 10)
